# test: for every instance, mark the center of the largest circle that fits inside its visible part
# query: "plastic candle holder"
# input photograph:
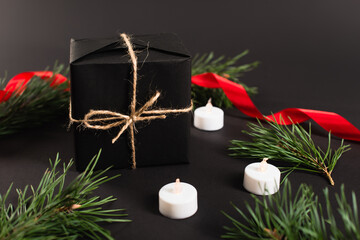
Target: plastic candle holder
(209, 118)
(178, 200)
(262, 178)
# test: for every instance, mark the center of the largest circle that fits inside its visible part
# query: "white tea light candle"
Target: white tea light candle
(209, 118)
(178, 200)
(262, 178)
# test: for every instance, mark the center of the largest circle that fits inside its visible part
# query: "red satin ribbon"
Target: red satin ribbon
(236, 93)
(17, 84)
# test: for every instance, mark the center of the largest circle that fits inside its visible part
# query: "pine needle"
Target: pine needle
(224, 67)
(39, 103)
(284, 216)
(53, 211)
(291, 145)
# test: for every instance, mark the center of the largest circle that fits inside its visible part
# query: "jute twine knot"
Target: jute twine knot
(99, 119)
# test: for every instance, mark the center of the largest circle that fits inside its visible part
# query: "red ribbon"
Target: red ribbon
(17, 84)
(236, 93)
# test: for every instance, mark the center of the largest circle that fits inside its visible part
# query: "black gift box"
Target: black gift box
(101, 79)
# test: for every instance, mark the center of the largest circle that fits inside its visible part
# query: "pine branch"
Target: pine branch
(39, 103)
(291, 145)
(224, 67)
(282, 216)
(55, 211)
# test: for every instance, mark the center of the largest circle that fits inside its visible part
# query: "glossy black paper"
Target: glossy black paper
(101, 79)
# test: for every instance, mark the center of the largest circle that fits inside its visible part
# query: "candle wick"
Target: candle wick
(263, 165)
(177, 186)
(209, 105)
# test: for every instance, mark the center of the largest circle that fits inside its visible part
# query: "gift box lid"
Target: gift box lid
(166, 43)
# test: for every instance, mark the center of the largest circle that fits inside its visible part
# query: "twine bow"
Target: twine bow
(97, 119)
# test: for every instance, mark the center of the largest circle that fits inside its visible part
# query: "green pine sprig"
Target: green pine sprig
(55, 211)
(226, 67)
(291, 145)
(282, 216)
(39, 103)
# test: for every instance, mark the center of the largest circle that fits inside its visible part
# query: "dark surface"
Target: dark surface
(309, 52)
(217, 177)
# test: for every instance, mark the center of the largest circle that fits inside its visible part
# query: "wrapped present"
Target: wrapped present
(131, 97)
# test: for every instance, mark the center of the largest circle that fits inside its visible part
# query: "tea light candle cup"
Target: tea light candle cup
(262, 178)
(178, 200)
(209, 118)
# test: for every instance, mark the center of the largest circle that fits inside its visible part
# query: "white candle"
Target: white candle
(209, 118)
(178, 200)
(262, 178)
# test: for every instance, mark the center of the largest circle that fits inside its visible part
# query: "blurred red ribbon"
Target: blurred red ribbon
(17, 84)
(236, 93)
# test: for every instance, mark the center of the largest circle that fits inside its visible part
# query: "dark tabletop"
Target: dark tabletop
(217, 177)
(309, 53)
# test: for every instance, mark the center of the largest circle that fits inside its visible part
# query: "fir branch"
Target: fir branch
(224, 67)
(55, 211)
(282, 216)
(291, 145)
(38, 103)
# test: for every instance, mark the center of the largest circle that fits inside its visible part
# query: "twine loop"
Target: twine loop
(105, 119)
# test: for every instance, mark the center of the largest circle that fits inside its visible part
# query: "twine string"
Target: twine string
(105, 119)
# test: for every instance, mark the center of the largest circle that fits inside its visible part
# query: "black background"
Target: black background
(309, 53)
(309, 49)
